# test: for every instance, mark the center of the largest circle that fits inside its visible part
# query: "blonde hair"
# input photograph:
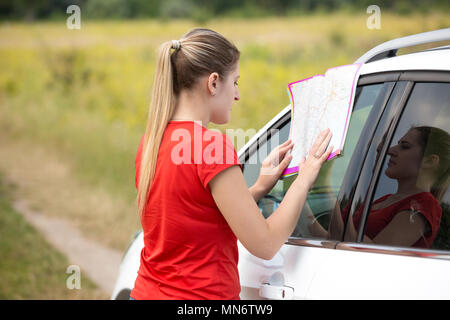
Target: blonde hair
(199, 52)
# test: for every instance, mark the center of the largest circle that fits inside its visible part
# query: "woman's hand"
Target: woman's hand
(273, 166)
(308, 169)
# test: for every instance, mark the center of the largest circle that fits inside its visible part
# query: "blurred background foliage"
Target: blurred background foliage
(202, 10)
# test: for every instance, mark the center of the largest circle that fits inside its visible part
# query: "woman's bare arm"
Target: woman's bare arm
(405, 229)
(262, 237)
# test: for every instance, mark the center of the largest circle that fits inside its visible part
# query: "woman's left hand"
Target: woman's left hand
(273, 166)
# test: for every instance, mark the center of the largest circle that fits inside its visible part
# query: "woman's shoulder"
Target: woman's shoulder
(196, 131)
(423, 202)
(425, 198)
(207, 146)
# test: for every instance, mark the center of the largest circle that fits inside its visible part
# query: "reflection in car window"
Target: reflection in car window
(411, 202)
(314, 219)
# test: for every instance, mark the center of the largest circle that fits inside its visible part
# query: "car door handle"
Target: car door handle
(269, 291)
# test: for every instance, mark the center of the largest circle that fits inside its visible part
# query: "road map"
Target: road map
(320, 102)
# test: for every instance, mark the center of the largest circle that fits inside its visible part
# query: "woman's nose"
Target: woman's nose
(237, 97)
(391, 151)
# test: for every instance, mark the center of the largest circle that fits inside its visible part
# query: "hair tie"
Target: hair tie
(176, 44)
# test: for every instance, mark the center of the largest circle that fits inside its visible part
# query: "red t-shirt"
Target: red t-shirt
(422, 203)
(189, 251)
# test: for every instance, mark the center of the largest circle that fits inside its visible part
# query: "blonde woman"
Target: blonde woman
(193, 200)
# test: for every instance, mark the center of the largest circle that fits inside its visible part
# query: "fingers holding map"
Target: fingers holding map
(317, 103)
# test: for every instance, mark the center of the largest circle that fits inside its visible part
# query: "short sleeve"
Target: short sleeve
(218, 154)
(429, 208)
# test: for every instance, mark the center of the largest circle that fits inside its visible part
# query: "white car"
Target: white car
(394, 93)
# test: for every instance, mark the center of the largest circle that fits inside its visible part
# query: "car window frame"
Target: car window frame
(263, 137)
(410, 78)
(356, 164)
(370, 126)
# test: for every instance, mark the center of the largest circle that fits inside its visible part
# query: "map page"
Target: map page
(317, 103)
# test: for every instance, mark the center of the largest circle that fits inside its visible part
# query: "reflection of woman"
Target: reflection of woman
(412, 215)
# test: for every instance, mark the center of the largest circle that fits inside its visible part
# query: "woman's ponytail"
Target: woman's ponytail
(161, 110)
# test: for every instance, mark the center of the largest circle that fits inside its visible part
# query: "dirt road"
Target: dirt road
(99, 263)
(47, 194)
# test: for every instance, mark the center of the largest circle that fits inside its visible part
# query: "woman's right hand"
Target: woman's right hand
(260, 236)
(308, 169)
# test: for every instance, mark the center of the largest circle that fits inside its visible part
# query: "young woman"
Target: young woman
(193, 200)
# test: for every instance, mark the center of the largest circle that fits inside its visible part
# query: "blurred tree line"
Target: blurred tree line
(30, 10)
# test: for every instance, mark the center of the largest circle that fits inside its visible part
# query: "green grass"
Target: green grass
(29, 267)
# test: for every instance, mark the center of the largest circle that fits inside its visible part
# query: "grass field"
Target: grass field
(73, 103)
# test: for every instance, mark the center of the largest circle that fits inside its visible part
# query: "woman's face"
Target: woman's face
(405, 157)
(227, 92)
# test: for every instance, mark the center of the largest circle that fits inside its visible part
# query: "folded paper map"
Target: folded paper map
(317, 103)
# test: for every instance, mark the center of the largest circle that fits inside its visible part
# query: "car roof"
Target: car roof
(433, 59)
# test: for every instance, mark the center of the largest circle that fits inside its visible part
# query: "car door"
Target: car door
(290, 274)
(365, 266)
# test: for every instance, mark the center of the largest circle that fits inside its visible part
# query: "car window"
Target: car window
(410, 206)
(322, 198)
(252, 166)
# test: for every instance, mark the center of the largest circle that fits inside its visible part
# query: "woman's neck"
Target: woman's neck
(191, 107)
(408, 187)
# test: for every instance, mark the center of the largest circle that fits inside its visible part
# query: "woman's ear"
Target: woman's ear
(431, 161)
(213, 81)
